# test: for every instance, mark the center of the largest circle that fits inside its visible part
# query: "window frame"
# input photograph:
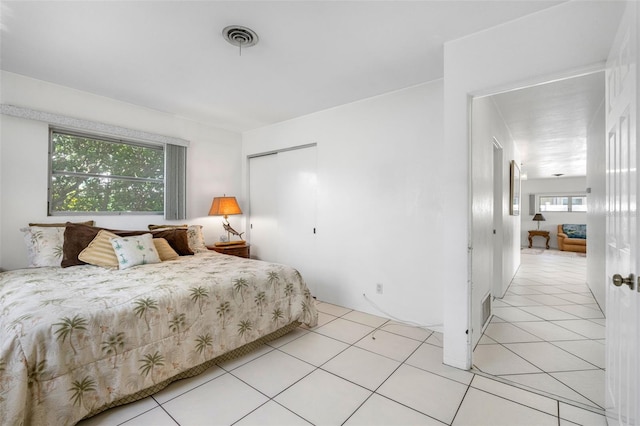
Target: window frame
(569, 195)
(108, 139)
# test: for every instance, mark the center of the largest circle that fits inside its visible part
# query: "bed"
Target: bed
(76, 341)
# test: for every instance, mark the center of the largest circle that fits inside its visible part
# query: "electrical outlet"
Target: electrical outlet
(379, 288)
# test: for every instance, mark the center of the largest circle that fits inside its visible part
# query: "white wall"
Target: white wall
(1, 262)
(487, 125)
(536, 48)
(596, 207)
(550, 186)
(380, 215)
(213, 160)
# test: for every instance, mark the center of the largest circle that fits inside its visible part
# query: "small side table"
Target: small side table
(538, 233)
(240, 250)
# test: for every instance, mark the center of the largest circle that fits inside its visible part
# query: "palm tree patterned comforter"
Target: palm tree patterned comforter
(75, 339)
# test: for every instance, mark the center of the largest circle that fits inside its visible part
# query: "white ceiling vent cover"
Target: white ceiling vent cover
(240, 36)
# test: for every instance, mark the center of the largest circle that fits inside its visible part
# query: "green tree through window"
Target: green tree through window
(101, 175)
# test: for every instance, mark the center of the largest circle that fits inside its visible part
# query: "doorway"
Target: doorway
(509, 117)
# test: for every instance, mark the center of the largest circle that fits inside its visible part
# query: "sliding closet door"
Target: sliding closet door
(297, 213)
(263, 205)
(282, 197)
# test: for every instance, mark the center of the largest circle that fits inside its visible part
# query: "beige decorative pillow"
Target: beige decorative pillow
(100, 252)
(165, 251)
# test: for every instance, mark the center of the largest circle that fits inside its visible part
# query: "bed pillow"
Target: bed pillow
(164, 249)
(100, 252)
(44, 245)
(88, 222)
(196, 239)
(154, 227)
(77, 237)
(135, 250)
(177, 239)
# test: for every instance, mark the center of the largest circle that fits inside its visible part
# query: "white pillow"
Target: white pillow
(44, 245)
(196, 239)
(135, 250)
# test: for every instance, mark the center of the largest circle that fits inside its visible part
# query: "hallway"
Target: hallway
(547, 333)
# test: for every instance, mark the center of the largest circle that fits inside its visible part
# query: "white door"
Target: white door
(623, 302)
(282, 202)
(297, 214)
(263, 207)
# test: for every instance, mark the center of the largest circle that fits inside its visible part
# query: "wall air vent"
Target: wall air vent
(486, 309)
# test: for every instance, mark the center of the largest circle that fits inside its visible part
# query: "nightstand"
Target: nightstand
(538, 234)
(240, 250)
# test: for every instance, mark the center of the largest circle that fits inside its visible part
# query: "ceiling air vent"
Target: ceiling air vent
(240, 36)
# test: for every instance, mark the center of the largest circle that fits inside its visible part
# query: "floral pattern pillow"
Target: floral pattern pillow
(44, 245)
(196, 239)
(135, 250)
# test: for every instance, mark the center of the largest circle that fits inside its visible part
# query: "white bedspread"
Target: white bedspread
(75, 339)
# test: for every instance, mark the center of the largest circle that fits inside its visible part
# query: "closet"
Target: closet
(282, 208)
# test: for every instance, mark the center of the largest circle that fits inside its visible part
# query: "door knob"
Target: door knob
(618, 280)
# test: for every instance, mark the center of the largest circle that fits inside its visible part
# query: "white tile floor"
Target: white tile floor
(338, 374)
(547, 332)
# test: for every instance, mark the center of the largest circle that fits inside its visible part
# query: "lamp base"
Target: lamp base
(229, 243)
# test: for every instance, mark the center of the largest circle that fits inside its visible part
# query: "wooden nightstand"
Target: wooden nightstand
(240, 250)
(538, 234)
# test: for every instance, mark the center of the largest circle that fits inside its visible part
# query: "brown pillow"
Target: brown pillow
(152, 227)
(77, 237)
(177, 239)
(62, 225)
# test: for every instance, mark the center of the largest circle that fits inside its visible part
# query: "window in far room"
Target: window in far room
(97, 174)
(563, 203)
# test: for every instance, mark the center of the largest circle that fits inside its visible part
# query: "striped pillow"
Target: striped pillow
(100, 252)
(164, 249)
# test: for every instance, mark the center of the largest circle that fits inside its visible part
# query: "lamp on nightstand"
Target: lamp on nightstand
(225, 206)
(538, 218)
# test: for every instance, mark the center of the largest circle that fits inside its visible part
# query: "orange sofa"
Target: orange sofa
(572, 238)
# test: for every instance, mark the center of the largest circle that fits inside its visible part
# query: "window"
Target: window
(96, 174)
(563, 203)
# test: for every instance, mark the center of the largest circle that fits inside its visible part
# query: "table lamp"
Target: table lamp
(538, 218)
(225, 206)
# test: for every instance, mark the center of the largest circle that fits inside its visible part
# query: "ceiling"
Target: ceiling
(171, 56)
(311, 55)
(549, 124)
